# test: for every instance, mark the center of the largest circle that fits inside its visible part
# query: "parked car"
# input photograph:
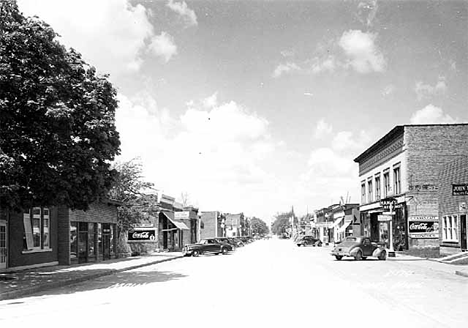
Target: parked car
(209, 245)
(308, 241)
(231, 241)
(360, 248)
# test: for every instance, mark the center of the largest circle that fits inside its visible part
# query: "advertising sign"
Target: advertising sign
(424, 229)
(142, 235)
(185, 215)
(460, 189)
(384, 218)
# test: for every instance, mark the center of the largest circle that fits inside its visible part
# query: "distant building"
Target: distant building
(399, 177)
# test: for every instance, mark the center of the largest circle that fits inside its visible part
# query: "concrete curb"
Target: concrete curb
(67, 282)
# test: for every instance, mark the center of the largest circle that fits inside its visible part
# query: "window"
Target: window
(450, 228)
(36, 229)
(370, 190)
(396, 180)
(386, 179)
(377, 188)
(363, 192)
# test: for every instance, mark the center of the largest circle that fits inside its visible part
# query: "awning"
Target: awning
(348, 220)
(179, 224)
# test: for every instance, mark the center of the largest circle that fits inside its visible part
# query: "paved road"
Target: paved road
(266, 284)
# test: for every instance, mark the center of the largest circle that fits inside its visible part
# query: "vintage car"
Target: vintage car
(308, 241)
(209, 245)
(360, 248)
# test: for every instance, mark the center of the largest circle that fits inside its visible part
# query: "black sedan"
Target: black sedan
(308, 241)
(209, 245)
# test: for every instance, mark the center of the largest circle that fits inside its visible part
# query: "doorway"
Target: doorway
(464, 232)
(3, 245)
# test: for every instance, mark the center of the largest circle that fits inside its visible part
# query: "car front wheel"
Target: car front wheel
(383, 256)
(196, 254)
(358, 256)
(224, 251)
(338, 257)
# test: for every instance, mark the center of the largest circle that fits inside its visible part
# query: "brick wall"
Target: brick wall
(98, 212)
(429, 148)
(209, 223)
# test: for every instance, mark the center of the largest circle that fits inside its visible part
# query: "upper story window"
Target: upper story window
(363, 192)
(397, 180)
(386, 181)
(377, 188)
(36, 223)
(370, 190)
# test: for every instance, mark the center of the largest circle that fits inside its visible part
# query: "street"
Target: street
(269, 283)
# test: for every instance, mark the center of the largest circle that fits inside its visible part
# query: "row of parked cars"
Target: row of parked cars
(358, 248)
(219, 245)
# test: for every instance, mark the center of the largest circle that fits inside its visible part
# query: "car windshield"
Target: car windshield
(349, 241)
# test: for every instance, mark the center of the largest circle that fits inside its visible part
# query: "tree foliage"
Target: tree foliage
(129, 189)
(282, 222)
(258, 226)
(57, 129)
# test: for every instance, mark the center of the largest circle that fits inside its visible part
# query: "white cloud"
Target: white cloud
(285, 68)
(322, 129)
(322, 65)
(431, 115)
(187, 14)
(214, 153)
(424, 91)
(388, 90)
(331, 172)
(363, 54)
(163, 46)
(110, 34)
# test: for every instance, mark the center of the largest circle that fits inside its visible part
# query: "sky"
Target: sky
(261, 106)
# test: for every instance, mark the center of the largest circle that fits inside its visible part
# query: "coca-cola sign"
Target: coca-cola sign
(143, 235)
(424, 229)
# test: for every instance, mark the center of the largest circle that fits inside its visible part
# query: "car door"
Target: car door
(367, 247)
(212, 245)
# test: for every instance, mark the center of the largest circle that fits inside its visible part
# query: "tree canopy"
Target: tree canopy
(258, 226)
(282, 222)
(57, 129)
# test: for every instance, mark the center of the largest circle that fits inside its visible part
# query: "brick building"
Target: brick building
(399, 177)
(453, 206)
(44, 236)
(212, 224)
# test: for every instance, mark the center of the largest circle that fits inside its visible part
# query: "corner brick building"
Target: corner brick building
(400, 182)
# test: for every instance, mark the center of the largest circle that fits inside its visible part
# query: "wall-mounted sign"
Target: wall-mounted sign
(424, 229)
(462, 207)
(185, 215)
(460, 189)
(142, 235)
(423, 218)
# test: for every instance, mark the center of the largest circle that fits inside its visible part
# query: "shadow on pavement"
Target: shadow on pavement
(125, 279)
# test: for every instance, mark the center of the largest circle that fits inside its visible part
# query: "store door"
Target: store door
(464, 232)
(3, 245)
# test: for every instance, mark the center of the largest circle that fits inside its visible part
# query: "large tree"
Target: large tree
(282, 222)
(258, 226)
(57, 129)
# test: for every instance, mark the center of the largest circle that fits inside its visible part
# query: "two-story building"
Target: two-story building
(399, 177)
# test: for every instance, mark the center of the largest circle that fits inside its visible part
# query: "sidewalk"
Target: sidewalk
(27, 282)
(428, 263)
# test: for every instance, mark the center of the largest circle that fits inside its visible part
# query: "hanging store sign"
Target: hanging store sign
(384, 218)
(460, 189)
(142, 235)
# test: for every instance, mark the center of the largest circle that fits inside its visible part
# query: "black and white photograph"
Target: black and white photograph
(234, 163)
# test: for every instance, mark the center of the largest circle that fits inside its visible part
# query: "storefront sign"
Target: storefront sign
(460, 189)
(462, 207)
(423, 218)
(185, 215)
(142, 235)
(384, 218)
(424, 229)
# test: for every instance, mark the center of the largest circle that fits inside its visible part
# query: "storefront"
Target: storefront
(453, 207)
(171, 231)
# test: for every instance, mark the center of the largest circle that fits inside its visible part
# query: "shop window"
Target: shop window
(450, 228)
(73, 240)
(36, 222)
(377, 188)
